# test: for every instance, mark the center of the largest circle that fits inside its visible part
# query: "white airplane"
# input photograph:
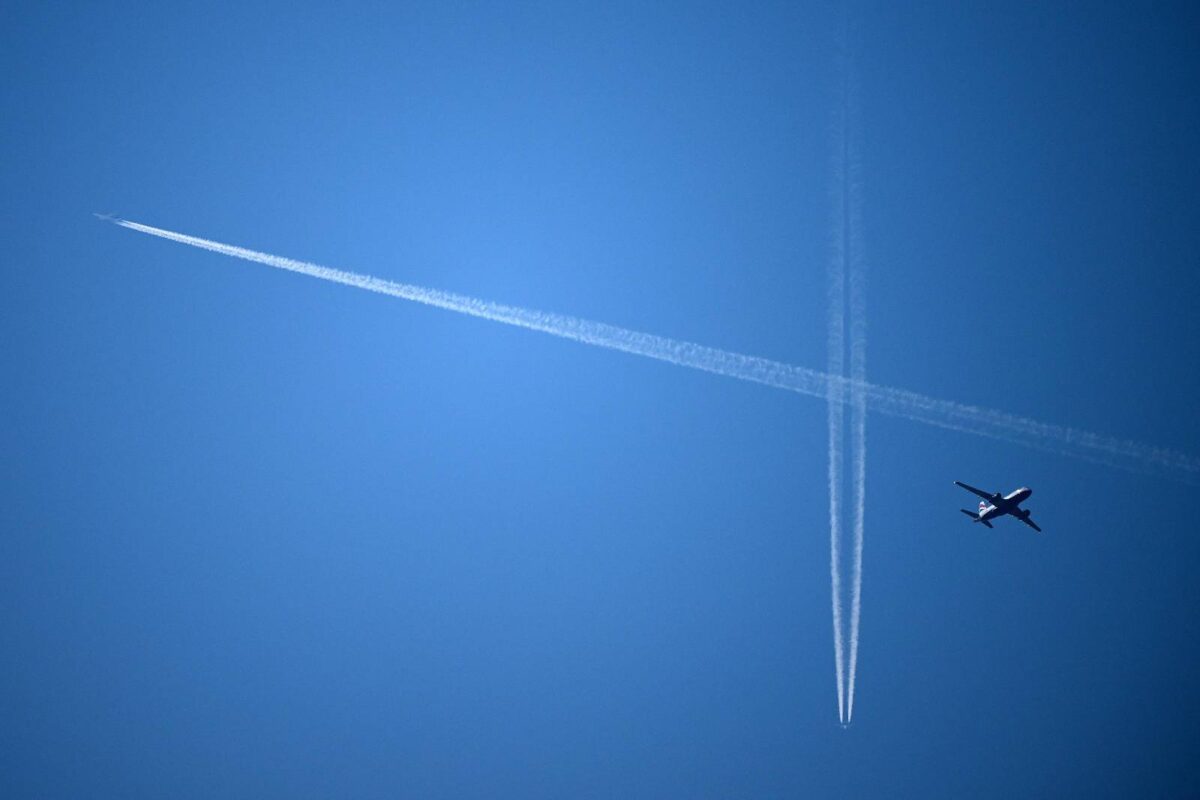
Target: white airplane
(995, 505)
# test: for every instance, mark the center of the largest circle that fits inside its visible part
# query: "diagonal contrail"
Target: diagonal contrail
(946, 414)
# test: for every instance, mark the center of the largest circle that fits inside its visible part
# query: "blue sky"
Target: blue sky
(266, 536)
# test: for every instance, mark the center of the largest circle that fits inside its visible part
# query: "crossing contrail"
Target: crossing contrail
(946, 414)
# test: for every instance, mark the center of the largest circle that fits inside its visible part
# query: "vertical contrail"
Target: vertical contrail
(847, 313)
(852, 210)
(836, 396)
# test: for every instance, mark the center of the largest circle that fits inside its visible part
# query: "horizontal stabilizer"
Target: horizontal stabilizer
(975, 517)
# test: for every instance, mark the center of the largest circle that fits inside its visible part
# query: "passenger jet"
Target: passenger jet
(997, 505)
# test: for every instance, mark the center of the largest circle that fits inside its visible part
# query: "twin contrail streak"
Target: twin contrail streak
(851, 230)
(847, 292)
(946, 414)
(836, 410)
(858, 424)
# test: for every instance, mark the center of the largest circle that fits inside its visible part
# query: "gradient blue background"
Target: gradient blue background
(263, 536)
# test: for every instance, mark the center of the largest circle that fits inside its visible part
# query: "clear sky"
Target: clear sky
(264, 536)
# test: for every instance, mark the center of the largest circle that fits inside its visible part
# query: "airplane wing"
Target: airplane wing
(985, 495)
(1030, 523)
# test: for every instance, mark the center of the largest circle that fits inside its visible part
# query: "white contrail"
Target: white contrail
(836, 408)
(846, 291)
(852, 216)
(858, 458)
(946, 414)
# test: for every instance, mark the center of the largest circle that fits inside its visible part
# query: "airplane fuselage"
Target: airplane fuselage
(1007, 504)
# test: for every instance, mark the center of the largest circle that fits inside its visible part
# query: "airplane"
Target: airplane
(996, 505)
(105, 217)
